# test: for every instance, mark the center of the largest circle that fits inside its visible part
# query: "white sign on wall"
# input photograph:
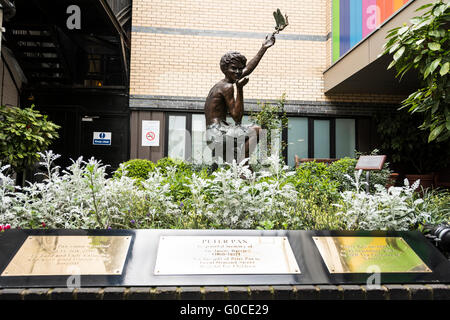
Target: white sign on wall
(102, 139)
(150, 133)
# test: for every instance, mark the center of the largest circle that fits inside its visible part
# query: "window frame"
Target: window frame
(284, 133)
(332, 124)
(188, 128)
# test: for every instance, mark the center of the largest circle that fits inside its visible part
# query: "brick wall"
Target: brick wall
(177, 45)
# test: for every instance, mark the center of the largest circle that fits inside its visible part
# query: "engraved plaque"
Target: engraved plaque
(368, 255)
(69, 255)
(370, 162)
(192, 255)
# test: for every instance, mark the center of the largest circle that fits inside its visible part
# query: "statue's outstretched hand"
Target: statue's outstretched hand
(242, 82)
(269, 41)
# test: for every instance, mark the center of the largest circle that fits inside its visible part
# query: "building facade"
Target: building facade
(177, 45)
(71, 60)
(145, 60)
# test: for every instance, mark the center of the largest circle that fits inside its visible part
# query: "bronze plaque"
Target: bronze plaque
(366, 254)
(370, 162)
(69, 255)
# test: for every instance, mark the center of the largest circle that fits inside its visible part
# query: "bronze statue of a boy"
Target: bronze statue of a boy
(221, 100)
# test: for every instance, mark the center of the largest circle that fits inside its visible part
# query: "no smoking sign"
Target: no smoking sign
(150, 136)
(150, 133)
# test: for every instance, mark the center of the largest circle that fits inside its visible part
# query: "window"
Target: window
(321, 141)
(345, 138)
(177, 137)
(297, 139)
(320, 138)
(200, 152)
(186, 138)
(306, 138)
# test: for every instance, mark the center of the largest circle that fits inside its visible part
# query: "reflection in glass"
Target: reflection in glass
(177, 137)
(200, 152)
(297, 139)
(345, 138)
(321, 138)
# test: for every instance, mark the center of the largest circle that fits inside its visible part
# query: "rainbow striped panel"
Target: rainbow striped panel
(354, 20)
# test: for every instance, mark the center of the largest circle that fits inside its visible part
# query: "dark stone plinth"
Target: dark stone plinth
(330, 292)
(306, 292)
(313, 282)
(353, 292)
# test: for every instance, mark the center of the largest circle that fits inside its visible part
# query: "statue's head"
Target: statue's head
(232, 58)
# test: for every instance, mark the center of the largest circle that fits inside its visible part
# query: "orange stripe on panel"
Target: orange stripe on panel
(398, 4)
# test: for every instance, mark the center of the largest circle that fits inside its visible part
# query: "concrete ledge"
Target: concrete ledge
(298, 292)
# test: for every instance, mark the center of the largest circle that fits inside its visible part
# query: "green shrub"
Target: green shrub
(83, 196)
(23, 134)
(310, 215)
(309, 169)
(407, 147)
(271, 118)
(346, 166)
(396, 208)
(165, 164)
(177, 174)
(136, 169)
(437, 203)
(312, 180)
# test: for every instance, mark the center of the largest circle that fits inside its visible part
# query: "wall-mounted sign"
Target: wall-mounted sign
(150, 133)
(102, 139)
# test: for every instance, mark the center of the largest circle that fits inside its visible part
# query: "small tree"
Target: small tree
(24, 133)
(424, 45)
(272, 117)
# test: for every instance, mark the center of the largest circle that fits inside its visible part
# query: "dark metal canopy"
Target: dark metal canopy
(376, 79)
(52, 54)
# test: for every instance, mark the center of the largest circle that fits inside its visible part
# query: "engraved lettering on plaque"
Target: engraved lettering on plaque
(60, 255)
(358, 254)
(370, 162)
(178, 255)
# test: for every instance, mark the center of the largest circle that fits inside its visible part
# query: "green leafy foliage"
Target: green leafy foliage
(314, 177)
(181, 166)
(317, 191)
(343, 168)
(437, 203)
(408, 148)
(396, 208)
(425, 46)
(136, 169)
(24, 133)
(273, 118)
(232, 197)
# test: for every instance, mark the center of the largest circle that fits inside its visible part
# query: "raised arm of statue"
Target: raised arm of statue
(268, 42)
